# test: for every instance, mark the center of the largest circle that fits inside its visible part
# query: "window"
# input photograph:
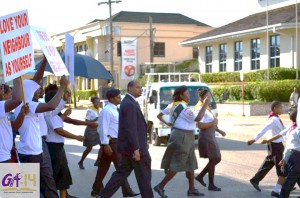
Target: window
(222, 57)
(208, 59)
(255, 53)
(81, 48)
(275, 51)
(159, 49)
(238, 56)
(119, 48)
(195, 52)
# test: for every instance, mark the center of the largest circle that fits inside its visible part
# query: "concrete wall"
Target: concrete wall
(252, 109)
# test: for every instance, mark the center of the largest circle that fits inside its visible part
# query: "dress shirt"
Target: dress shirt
(273, 127)
(108, 123)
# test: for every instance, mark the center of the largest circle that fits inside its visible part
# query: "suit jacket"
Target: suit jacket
(132, 128)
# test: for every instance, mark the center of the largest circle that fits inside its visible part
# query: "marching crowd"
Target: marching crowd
(121, 130)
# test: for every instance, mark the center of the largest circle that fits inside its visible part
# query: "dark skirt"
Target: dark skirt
(207, 144)
(91, 137)
(180, 152)
(61, 171)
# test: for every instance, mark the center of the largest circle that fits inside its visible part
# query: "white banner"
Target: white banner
(50, 51)
(20, 180)
(129, 57)
(16, 46)
(69, 56)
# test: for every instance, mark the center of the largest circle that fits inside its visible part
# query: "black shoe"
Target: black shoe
(214, 188)
(255, 185)
(274, 194)
(80, 165)
(160, 192)
(200, 180)
(194, 193)
(130, 194)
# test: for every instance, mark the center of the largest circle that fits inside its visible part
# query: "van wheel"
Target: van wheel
(156, 139)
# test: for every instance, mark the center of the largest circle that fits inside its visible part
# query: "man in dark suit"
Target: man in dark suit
(132, 144)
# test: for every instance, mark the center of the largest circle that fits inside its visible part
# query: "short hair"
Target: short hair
(94, 98)
(131, 83)
(179, 91)
(50, 92)
(275, 104)
(293, 114)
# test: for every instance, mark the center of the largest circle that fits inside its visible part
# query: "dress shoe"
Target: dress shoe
(214, 188)
(274, 194)
(255, 185)
(200, 180)
(80, 165)
(194, 193)
(130, 194)
(160, 191)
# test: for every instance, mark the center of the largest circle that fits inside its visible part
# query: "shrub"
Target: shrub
(85, 94)
(262, 91)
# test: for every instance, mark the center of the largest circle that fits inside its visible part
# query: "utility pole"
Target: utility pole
(111, 39)
(296, 15)
(151, 42)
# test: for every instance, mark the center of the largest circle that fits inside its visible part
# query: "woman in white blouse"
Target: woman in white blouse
(91, 136)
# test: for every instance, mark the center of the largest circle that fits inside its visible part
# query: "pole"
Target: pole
(151, 41)
(296, 15)
(111, 44)
(243, 102)
(267, 51)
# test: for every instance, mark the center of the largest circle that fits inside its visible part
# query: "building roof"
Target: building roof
(277, 16)
(165, 18)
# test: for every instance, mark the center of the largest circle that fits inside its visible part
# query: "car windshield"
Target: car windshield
(166, 94)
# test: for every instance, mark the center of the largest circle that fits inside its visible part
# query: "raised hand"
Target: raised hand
(64, 81)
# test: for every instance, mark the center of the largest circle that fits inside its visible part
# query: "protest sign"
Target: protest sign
(16, 45)
(69, 56)
(129, 57)
(50, 51)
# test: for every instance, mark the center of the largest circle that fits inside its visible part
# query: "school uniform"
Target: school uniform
(180, 153)
(91, 136)
(6, 135)
(275, 149)
(207, 144)
(55, 142)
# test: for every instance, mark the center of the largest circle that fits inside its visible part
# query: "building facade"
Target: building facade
(262, 40)
(168, 30)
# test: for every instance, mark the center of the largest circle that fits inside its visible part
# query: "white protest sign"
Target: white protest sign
(16, 46)
(69, 56)
(129, 57)
(50, 51)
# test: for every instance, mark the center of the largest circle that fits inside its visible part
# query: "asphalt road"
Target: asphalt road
(239, 163)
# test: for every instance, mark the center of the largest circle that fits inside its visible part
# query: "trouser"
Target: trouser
(48, 186)
(142, 170)
(293, 177)
(104, 165)
(275, 151)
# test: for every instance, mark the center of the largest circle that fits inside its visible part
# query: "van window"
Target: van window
(166, 94)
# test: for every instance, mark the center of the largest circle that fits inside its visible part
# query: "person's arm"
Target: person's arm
(16, 96)
(203, 109)
(160, 117)
(53, 103)
(79, 122)
(271, 139)
(38, 76)
(17, 123)
(221, 132)
(67, 134)
(266, 128)
(103, 126)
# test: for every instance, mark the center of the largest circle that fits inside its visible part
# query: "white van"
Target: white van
(159, 97)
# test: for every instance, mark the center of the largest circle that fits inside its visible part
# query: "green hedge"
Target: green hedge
(85, 94)
(277, 73)
(260, 91)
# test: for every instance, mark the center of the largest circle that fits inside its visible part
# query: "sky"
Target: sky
(58, 16)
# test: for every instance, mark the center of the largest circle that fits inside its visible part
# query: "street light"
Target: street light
(111, 37)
